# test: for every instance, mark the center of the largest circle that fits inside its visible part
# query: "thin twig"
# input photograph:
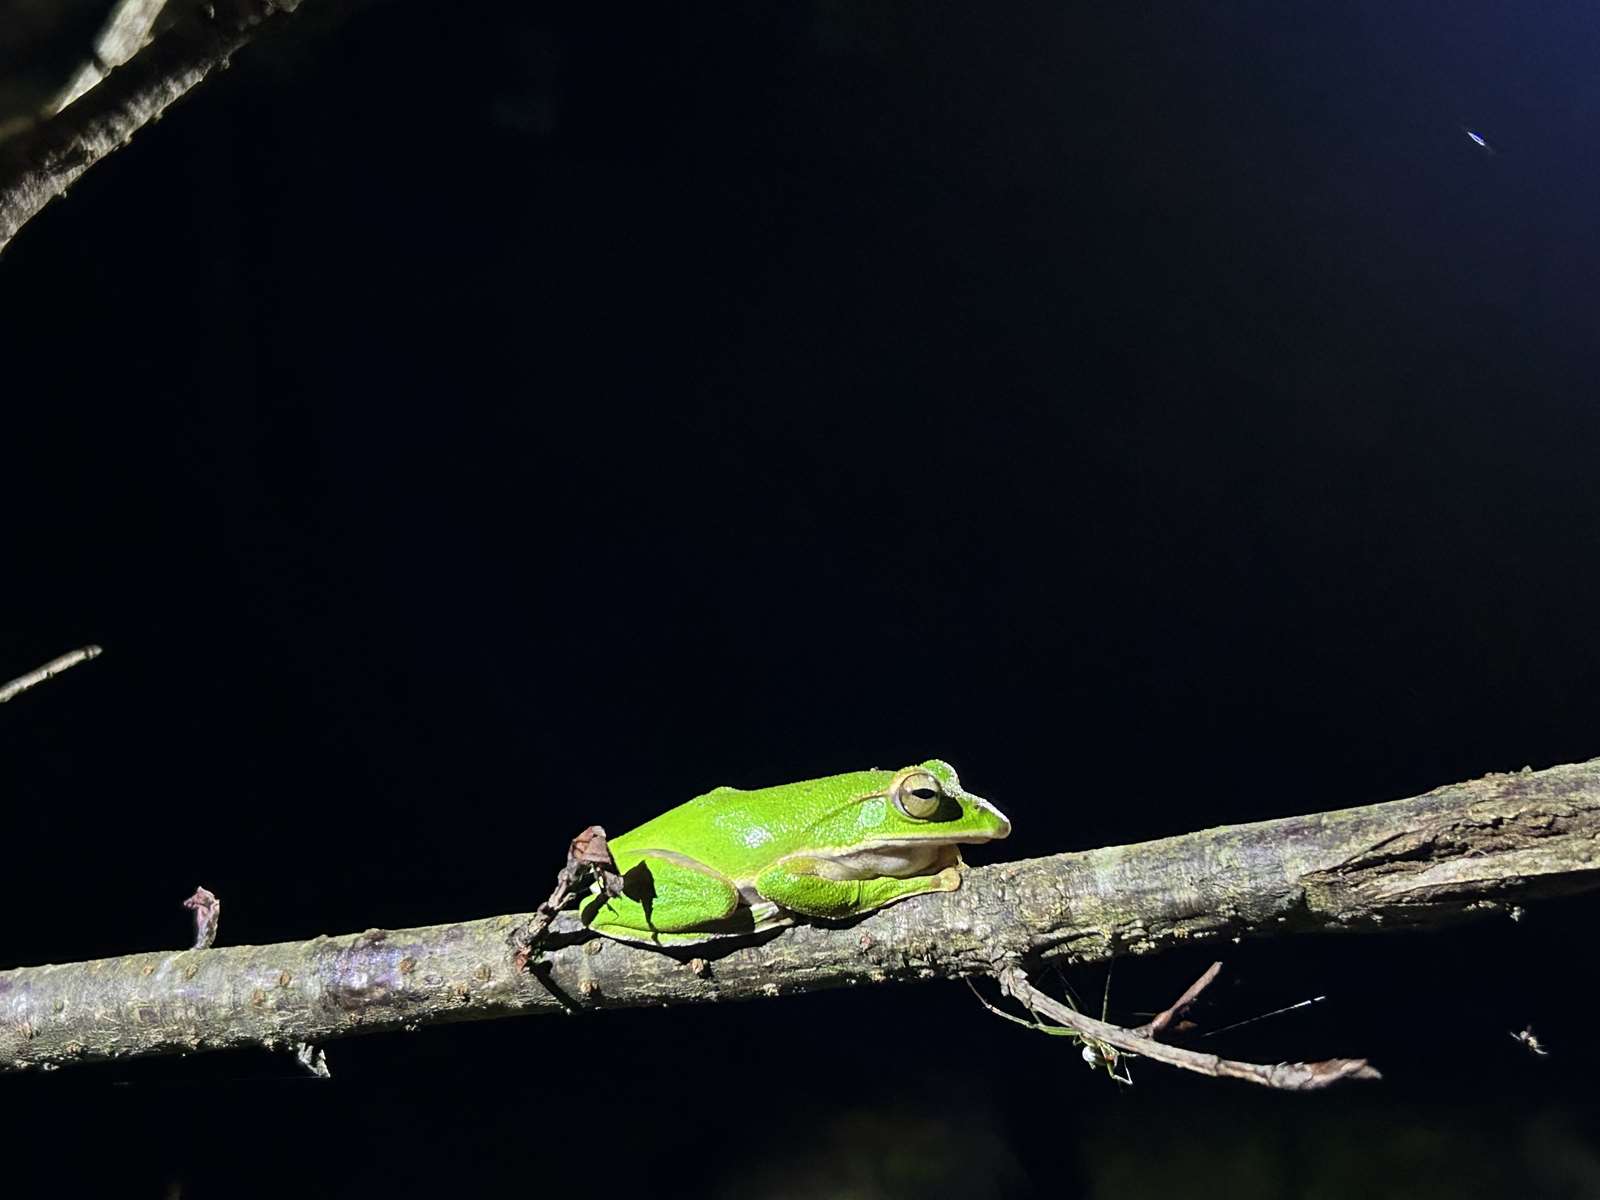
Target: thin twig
(49, 671)
(1287, 1076)
(1157, 1025)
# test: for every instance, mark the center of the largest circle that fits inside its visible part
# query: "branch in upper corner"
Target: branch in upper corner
(49, 671)
(40, 164)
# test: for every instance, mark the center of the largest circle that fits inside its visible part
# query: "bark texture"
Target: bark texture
(1465, 850)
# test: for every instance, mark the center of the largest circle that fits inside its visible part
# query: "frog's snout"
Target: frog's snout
(999, 823)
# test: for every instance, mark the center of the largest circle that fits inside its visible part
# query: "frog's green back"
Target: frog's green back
(734, 828)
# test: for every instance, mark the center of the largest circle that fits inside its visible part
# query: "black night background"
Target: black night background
(464, 423)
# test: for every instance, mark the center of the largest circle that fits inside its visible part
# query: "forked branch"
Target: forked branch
(1284, 1076)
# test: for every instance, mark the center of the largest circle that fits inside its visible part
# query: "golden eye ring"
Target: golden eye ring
(917, 793)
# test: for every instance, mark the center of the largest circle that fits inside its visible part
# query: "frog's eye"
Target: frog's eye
(917, 794)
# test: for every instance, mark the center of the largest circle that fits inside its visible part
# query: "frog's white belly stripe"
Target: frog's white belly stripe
(901, 861)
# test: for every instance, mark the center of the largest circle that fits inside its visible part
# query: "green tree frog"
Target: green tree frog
(735, 862)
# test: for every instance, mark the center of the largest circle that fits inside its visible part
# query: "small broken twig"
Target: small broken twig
(1158, 1024)
(207, 915)
(124, 33)
(207, 912)
(1531, 1040)
(313, 1059)
(587, 852)
(1288, 1076)
(49, 671)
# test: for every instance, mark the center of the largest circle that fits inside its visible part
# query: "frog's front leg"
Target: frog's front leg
(665, 893)
(795, 883)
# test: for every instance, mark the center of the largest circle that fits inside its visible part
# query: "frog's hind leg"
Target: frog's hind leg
(665, 893)
(798, 885)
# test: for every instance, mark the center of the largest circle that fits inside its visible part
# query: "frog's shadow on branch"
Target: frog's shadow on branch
(568, 930)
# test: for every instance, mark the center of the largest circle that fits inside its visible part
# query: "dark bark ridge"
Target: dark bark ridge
(1468, 850)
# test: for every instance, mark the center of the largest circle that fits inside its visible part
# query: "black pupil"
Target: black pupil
(922, 793)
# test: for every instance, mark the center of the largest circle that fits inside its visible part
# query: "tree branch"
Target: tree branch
(40, 164)
(49, 671)
(1466, 850)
